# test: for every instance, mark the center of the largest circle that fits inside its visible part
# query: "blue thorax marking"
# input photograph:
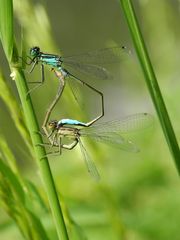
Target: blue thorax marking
(70, 122)
(52, 60)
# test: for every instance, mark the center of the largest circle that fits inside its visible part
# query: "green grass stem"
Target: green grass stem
(40, 152)
(6, 31)
(151, 79)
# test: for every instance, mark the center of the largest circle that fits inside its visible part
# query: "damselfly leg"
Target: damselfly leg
(39, 83)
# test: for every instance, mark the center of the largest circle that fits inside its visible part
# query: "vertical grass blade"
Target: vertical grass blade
(6, 32)
(6, 171)
(6, 27)
(151, 80)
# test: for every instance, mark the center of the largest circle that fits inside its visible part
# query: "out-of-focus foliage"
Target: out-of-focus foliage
(138, 195)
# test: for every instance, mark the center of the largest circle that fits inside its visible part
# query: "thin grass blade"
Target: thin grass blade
(151, 80)
(6, 26)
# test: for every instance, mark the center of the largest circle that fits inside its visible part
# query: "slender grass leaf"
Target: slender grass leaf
(37, 227)
(6, 26)
(151, 80)
(36, 195)
(11, 177)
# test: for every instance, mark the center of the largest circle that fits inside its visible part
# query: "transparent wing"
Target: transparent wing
(90, 69)
(131, 123)
(100, 56)
(89, 163)
(116, 140)
(76, 89)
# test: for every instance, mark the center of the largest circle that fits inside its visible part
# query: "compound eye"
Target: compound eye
(34, 51)
(52, 124)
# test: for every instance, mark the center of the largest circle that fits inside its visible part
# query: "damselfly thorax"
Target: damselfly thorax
(69, 132)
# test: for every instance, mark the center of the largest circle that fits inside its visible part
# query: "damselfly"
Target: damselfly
(88, 63)
(108, 132)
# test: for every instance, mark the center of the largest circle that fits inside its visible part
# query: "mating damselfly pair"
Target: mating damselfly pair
(90, 64)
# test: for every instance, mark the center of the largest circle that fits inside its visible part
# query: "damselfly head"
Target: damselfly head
(34, 51)
(53, 124)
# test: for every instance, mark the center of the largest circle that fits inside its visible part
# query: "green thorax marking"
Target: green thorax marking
(50, 59)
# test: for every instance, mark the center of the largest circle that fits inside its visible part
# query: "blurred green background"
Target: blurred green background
(138, 196)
